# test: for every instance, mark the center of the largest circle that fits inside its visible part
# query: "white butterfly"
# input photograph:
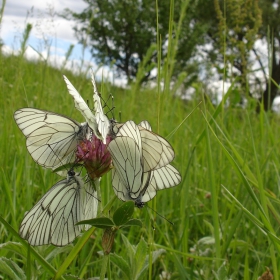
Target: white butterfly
(155, 151)
(53, 219)
(51, 139)
(102, 121)
(131, 178)
(98, 121)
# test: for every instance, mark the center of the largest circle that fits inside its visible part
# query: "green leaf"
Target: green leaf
(14, 247)
(131, 250)
(122, 265)
(180, 268)
(133, 222)
(102, 222)
(105, 263)
(222, 272)
(10, 268)
(123, 213)
(140, 256)
(155, 255)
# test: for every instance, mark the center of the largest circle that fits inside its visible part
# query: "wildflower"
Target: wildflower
(95, 156)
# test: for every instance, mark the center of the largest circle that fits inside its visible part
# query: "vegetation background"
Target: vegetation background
(226, 209)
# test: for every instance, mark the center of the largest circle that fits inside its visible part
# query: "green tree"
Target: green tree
(120, 32)
(270, 31)
(231, 29)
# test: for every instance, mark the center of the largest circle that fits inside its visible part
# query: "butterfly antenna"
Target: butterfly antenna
(105, 102)
(113, 107)
(110, 109)
(171, 223)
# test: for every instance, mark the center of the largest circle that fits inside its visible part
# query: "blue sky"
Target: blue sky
(43, 16)
(48, 29)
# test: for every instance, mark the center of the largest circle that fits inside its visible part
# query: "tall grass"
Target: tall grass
(225, 211)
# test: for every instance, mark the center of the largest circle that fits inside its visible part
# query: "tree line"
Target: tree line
(211, 36)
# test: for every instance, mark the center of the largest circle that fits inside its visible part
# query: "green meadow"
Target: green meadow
(225, 211)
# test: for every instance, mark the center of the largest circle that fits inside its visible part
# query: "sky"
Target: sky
(48, 28)
(51, 29)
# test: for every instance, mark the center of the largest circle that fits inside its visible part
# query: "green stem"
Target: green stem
(104, 267)
(214, 196)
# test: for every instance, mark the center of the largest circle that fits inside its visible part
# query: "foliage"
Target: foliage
(210, 37)
(231, 34)
(120, 33)
(241, 20)
(136, 262)
(224, 212)
(270, 32)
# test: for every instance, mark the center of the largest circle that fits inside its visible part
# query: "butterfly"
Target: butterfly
(155, 151)
(54, 217)
(98, 121)
(141, 163)
(51, 139)
(103, 123)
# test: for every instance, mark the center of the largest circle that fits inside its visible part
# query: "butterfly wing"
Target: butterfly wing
(52, 220)
(131, 130)
(162, 178)
(146, 125)
(127, 172)
(156, 151)
(90, 202)
(81, 105)
(120, 188)
(102, 121)
(51, 138)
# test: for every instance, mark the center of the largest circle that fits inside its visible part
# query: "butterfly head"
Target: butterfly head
(139, 204)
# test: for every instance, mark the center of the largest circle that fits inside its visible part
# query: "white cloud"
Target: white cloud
(45, 20)
(51, 35)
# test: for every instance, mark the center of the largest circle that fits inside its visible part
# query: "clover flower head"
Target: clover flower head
(95, 156)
